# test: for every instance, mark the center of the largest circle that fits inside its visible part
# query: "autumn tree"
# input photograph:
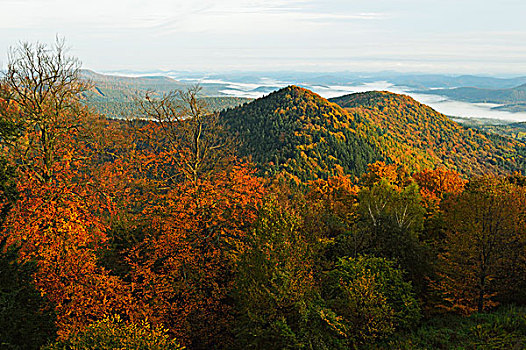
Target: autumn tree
(394, 174)
(57, 221)
(198, 202)
(484, 246)
(366, 299)
(435, 184)
(335, 200)
(390, 225)
(193, 135)
(40, 106)
(25, 320)
(112, 332)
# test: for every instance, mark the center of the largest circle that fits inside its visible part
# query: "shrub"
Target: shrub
(503, 329)
(114, 333)
(367, 299)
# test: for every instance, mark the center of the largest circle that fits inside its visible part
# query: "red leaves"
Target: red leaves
(434, 184)
(183, 271)
(56, 228)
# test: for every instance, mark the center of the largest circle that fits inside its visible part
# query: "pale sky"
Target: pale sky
(432, 36)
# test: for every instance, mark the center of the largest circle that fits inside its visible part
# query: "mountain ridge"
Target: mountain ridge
(298, 132)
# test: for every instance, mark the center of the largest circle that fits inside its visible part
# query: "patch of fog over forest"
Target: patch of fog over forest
(442, 104)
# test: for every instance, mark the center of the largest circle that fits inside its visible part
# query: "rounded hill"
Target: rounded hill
(297, 132)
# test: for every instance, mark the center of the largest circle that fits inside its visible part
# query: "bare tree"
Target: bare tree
(196, 137)
(40, 104)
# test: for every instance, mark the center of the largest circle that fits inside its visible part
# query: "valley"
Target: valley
(437, 91)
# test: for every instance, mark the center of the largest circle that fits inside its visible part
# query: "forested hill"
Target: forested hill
(402, 120)
(296, 132)
(299, 133)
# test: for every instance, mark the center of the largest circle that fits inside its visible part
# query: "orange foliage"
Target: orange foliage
(395, 174)
(61, 218)
(182, 272)
(484, 245)
(55, 226)
(338, 192)
(435, 183)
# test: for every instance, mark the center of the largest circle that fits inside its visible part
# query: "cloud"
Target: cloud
(273, 33)
(181, 14)
(255, 18)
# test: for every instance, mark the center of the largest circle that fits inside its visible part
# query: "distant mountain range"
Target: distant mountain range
(512, 99)
(416, 81)
(121, 88)
(113, 93)
(296, 132)
(114, 96)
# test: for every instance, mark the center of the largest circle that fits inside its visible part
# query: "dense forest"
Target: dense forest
(289, 222)
(115, 96)
(411, 128)
(297, 133)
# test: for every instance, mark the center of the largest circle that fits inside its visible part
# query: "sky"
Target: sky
(427, 36)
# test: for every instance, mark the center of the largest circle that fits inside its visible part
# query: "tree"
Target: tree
(26, 321)
(56, 229)
(40, 107)
(484, 248)
(57, 222)
(393, 174)
(337, 199)
(435, 184)
(276, 291)
(390, 225)
(183, 270)
(367, 299)
(197, 203)
(191, 133)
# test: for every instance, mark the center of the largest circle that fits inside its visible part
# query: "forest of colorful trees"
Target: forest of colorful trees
(166, 231)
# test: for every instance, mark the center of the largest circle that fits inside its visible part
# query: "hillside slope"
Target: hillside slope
(296, 132)
(404, 121)
(114, 96)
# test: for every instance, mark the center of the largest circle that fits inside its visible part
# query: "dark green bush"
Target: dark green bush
(367, 299)
(503, 329)
(24, 321)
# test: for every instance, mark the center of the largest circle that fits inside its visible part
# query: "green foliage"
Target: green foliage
(367, 299)
(384, 201)
(299, 133)
(8, 192)
(503, 329)
(25, 323)
(114, 333)
(390, 224)
(414, 134)
(276, 291)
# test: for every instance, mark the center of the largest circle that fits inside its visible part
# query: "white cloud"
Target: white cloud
(149, 34)
(140, 14)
